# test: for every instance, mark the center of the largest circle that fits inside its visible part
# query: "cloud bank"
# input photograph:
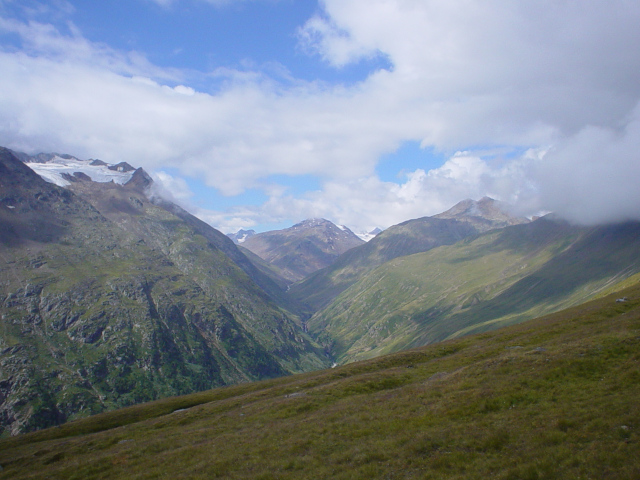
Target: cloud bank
(557, 80)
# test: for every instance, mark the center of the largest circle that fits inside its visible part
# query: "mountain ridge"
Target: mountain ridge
(406, 238)
(493, 279)
(109, 299)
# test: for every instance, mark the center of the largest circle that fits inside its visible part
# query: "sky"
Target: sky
(257, 114)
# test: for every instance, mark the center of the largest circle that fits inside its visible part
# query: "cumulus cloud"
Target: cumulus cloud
(172, 188)
(557, 79)
(368, 202)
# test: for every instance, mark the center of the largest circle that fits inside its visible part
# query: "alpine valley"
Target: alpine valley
(112, 295)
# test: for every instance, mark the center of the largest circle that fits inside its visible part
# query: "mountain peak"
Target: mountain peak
(241, 235)
(139, 179)
(484, 210)
(313, 222)
(304, 248)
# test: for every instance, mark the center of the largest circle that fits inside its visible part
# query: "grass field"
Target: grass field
(552, 398)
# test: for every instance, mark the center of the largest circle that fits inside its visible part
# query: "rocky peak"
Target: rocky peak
(492, 213)
(303, 248)
(123, 167)
(140, 180)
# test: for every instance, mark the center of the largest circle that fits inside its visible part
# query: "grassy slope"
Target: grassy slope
(497, 279)
(550, 398)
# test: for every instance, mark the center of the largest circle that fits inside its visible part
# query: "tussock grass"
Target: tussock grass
(552, 398)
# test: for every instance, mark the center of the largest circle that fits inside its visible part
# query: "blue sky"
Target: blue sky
(261, 113)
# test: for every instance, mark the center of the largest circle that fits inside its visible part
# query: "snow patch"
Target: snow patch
(53, 170)
(369, 235)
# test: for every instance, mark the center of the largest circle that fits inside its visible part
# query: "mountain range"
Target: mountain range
(113, 295)
(483, 282)
(466, 219)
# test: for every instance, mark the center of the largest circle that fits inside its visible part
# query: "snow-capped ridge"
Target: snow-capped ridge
(62, 170)
(241, 235)
(366, 236)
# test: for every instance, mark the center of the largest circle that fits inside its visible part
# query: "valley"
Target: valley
(554, 397)
(114, 295)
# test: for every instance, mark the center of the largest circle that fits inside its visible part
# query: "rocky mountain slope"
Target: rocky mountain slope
(498, 278)
(108, 298)
(554, 398)
(303, 248)
(466, 219)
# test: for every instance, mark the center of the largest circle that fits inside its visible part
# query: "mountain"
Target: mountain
(241, 235)
(369, 235)
(484, 282)
(111, 296)
(554, 398)
(303, 248)
(485, 214)
(466, 219)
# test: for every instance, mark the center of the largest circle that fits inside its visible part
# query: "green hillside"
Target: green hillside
(552, 398)
(463, 220)
(496, 279)
(413, 236)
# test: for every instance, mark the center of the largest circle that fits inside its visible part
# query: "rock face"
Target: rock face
(304, 248)
(108, 298)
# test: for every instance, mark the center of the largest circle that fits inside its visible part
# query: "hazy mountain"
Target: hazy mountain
(553, 398)
(466, 219)
(369, 235)
(483, 282)
(109, 298)
(303, 248)
(241, 235)
(484, 214)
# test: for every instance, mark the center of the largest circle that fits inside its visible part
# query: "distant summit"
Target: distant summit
(241, 235)
(486, 212)
(303, 248)
(369, 235)
(463, 220)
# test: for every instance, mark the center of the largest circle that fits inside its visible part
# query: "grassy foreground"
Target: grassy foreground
(557, 397)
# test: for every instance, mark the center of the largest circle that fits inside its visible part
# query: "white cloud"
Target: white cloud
(367, 202)
(172, 188)
(593, 176)
(528, 73)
